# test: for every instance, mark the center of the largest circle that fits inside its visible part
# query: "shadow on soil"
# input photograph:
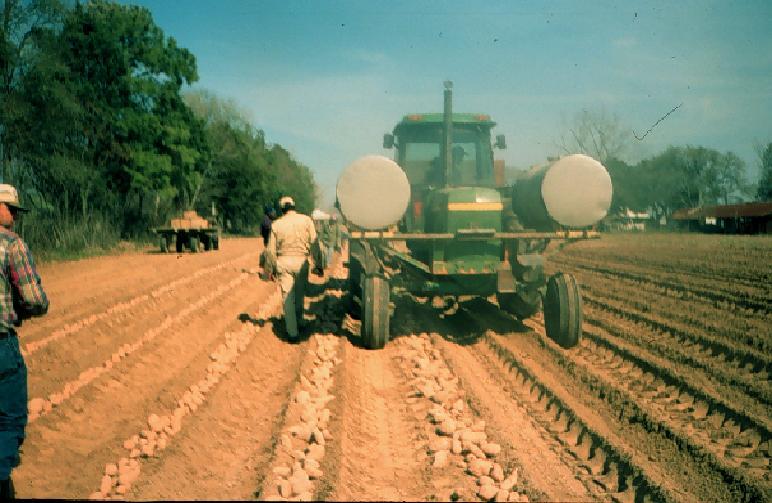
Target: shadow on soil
(463, 323)
(331, 310)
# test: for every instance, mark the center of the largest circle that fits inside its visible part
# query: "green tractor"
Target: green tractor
(440, 221)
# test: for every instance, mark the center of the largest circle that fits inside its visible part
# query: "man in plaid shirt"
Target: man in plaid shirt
(21, 297)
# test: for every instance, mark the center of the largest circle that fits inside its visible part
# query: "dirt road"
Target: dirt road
(165, 376)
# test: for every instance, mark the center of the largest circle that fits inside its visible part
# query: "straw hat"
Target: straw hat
(10, 196)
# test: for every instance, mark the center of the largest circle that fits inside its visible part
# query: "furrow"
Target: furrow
(41, 406)
(298, 457)
(708, 347)
(122, 310)
(538, 467)
(747, 381)
(717, 294)
(607, 461)
(164, 425)
(734, 445)
(731, 324)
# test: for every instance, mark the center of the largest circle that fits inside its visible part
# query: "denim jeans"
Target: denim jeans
(13, 403)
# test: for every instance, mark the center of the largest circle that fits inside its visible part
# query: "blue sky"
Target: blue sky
(326, 79)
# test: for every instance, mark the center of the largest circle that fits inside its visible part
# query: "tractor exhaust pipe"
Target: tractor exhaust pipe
(447, 131)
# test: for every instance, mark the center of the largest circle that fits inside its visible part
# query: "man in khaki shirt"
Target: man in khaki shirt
(293, 238)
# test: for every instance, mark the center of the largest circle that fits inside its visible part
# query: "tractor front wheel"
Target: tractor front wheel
(375, 312)
(563, 310)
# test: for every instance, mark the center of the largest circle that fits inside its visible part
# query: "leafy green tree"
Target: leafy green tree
(626, 191)
(22, 22)
(139, 128)
(690, 177)
(244, 173)
(95, 129)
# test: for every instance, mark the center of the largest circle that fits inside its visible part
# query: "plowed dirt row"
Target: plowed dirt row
(753, 296)
(67, 449)
(192, 391)
(224, 446)
(99, 342)
(706, 366)
(737, 326)
(740, 260)
(78, 289)
(379, 458)
(540, 458)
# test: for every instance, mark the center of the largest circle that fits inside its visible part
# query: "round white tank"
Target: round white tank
(373, 192)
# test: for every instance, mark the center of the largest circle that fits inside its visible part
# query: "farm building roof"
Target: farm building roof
(725, 211)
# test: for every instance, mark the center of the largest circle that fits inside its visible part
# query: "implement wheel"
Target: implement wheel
(375, 312)
(563, 310)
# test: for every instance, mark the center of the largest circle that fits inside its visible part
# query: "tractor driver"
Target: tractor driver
(292, 240)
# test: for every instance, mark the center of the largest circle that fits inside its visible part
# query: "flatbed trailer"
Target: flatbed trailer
(191, 239)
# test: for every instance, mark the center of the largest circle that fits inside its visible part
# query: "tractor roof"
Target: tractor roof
(437, 118)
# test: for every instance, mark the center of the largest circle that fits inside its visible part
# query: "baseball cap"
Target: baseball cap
(286, 200)
(10, 196)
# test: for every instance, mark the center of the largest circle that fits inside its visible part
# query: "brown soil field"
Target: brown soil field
(169, 376)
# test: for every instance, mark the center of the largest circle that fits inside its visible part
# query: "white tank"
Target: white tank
(373, 192)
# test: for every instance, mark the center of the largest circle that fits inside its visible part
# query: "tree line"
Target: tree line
(679, 177)
(104, 139)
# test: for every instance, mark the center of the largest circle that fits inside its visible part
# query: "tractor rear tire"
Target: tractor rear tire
(375, 312)
(563, 310)
(521, 305)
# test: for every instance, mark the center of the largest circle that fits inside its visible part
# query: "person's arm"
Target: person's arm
(270, 254)
(316, 250)
(29, 297)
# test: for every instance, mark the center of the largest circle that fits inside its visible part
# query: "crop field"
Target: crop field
(168, 376)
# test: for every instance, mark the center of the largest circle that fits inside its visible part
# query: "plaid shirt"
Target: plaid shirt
(21, 294)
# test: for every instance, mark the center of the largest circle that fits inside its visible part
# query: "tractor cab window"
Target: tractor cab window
(421, 163)
(421, 157)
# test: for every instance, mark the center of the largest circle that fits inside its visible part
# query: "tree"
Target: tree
(764, 192)
(244, 172)
(21, 22)
(730, 177)
(597, 134)
(130, 128)
(628, 191)
(690, 177)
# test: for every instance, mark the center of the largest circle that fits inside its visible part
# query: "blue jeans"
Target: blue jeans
(13, 403)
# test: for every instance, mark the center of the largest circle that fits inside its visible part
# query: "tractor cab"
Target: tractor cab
(419, 142)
